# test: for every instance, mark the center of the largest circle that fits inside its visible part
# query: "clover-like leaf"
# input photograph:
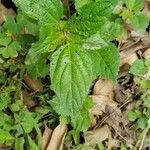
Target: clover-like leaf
(11, 50)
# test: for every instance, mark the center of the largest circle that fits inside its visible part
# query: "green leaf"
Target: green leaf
(145, 84)
(142, 122)
(135, 5)
(126, 14)
(147, 62)
(24, 22)
(148, 122)
(133, 115)
(138, 68)
(86, 27)
(79, 4)
(10, 50)
(51, 38)
(123, 147)
(27, 125)
(5, 137)
(46, 11)
(147, 113)
(83, 120)
(106, 62)
(98, 8)
(108, 30)
(5, 123)
(11, 25)
(5, 99)
(139, 21)
(71, 76)
(36, 62)
(4, 41)
(94, 42)
(19, 143)
(32, 145)
(147, 101)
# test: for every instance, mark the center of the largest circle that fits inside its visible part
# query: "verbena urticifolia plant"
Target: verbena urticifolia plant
(79, 48)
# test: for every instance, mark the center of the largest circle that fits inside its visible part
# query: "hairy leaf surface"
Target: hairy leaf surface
(71, 75)
(98, 8)
(47, 11)
(50, 39)
(106, 62)
(79, 4)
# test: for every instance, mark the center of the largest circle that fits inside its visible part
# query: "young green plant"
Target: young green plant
(79, 49)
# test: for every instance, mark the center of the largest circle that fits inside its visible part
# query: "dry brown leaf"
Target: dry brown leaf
(104, 99)
(102, 96)
(57, 138)
(122, 95)
(129, 51)
(117, 122)
(130, 59)
(103, 87)
(35, 85)
(27, 100)
(46, 137)
(113, 143)
(96, 136)
(4, 12)
(146, 9)
(100, 104)
(124, 70)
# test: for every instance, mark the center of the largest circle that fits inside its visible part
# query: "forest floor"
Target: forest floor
(120, 118)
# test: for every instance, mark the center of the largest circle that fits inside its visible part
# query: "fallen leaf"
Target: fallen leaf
(121, 94)
(103, 87)
(116, 120)
(57, 139)
(35, 85)
(46, 137)
(100, 104)
(27, 100)
(130, 59)
(113, 143)
(127, 52)
(102, 96)
(124, 71)
(96, 136)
